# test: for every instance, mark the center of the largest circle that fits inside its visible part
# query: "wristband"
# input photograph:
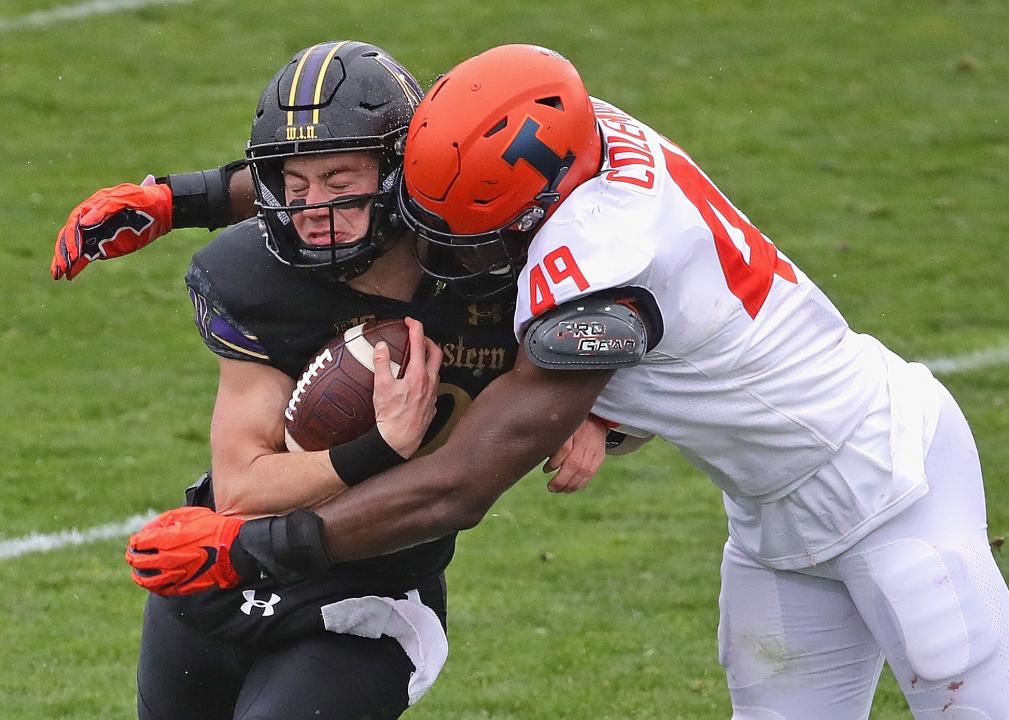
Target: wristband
(202, 199)
(359, 459)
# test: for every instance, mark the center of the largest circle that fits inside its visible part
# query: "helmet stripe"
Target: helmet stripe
(322, 77)
(306, 88)
(294, 83)
(411, 89)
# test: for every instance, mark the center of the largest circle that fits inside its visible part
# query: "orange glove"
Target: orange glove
(184, 551)
(114, 221)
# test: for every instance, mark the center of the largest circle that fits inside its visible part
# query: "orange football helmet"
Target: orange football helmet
(494, 147)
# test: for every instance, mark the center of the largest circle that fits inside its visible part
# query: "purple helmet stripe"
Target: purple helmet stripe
(305, 93)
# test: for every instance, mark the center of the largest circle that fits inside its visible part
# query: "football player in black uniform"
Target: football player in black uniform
(323, 151)
(366, 638)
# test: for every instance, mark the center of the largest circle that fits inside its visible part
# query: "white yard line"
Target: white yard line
(992, 357)
(36, 542)
(64, 13)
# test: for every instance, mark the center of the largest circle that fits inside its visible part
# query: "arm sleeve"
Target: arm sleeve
(203, 199)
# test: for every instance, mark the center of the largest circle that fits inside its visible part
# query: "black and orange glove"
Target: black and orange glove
(193, 549)
(185, 551)
(114, 221)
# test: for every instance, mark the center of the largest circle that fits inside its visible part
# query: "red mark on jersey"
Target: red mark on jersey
(615, 123)
(750, 275)
(622, 153)
(540, 297)
(629, 154)
(559, 265)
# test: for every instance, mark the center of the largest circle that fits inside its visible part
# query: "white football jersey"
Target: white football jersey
(756, 377)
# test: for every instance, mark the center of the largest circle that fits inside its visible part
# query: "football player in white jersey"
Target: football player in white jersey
(850, 477)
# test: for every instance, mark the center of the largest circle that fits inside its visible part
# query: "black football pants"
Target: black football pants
(184, 675)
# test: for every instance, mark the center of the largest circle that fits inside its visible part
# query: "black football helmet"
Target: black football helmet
(332, 97)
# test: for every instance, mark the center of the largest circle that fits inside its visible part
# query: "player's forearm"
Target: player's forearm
(512, 426)
(241, 194)
(275, 483)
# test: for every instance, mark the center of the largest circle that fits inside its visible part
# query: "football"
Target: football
(332, 402)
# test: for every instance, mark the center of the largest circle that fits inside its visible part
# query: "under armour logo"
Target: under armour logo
(265, 605)
(478, 314)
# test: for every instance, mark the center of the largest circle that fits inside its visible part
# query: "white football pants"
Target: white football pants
(922, 591)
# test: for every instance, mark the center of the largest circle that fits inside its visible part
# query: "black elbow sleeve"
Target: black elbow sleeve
(202, 199)
(285, 548)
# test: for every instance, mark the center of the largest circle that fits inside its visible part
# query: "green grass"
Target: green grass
(868, 140)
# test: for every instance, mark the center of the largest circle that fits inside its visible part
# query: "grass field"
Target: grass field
(869, 140)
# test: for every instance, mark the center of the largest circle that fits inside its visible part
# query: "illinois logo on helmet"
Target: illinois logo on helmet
(495, 145)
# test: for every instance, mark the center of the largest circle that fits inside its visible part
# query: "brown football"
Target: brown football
(332, 402)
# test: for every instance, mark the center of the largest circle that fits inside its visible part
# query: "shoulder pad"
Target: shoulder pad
(591, 333)
(220, 332)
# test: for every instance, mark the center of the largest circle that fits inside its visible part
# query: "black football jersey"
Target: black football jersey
(250, 306)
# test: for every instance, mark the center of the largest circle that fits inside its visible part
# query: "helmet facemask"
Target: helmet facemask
(477, 266)
(345, 258)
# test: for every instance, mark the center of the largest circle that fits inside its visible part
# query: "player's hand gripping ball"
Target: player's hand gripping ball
(332, 402)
